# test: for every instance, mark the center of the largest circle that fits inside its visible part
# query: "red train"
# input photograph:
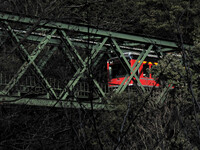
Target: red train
(116, 71)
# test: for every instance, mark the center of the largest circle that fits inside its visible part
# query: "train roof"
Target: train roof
(134, 55)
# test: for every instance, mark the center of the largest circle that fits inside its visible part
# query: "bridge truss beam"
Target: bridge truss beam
(66, 38)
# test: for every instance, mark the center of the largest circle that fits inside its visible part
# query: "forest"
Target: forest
(141, 121)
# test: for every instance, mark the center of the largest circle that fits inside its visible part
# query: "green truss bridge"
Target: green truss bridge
(51, 63)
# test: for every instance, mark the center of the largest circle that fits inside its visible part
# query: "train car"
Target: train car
(117, 72)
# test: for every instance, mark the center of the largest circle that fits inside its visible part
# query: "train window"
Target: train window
(145, 70)
(117, 70)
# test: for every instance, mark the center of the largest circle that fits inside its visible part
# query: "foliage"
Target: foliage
(149, 17)
(183, 73)
(139, 121)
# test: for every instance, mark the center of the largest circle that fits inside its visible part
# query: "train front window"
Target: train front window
(117, 70)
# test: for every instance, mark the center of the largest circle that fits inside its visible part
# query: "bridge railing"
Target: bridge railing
(30, 85)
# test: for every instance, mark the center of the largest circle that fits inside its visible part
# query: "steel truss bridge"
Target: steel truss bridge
(34, 41)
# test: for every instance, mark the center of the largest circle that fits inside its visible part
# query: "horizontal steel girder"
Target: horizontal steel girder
(54, 103)
(91, 30)
(56, 41)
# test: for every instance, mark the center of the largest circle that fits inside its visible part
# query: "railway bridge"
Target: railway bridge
(52, 63)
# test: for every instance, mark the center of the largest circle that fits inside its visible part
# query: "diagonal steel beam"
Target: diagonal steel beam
(80, 72)
(164, 93)
(30, 61)
(33, 63)
(76, 54)
(132, 68)
(3, 41)
(127, 64)
(73, 54)
(137, 67)
(68, 54)
(42, 62)
(71, 84)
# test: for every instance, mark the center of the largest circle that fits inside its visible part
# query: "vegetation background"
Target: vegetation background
(144, 124)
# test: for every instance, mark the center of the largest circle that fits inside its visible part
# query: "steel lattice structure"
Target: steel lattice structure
(67, 38)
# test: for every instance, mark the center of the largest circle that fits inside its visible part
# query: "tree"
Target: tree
(139, 121)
